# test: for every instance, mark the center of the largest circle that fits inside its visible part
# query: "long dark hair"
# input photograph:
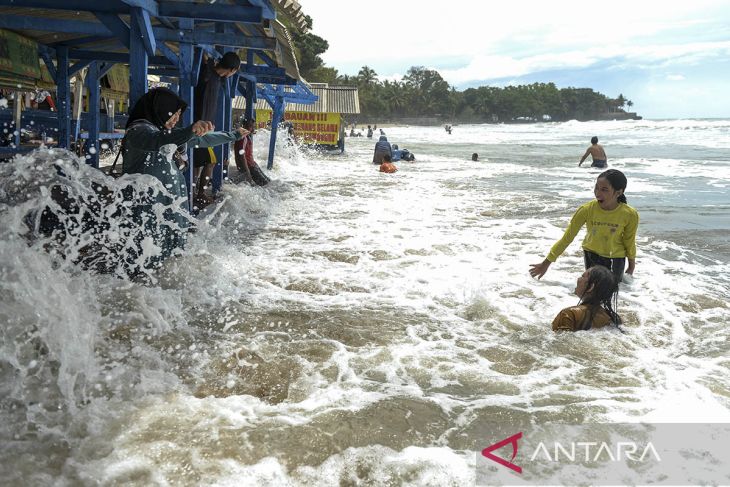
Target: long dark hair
(617, 180)
(603, 295)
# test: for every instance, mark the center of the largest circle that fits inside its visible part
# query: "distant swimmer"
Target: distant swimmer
(475, 157)
(387, 166)
(370, 132)
(611, 226)
(597, 153)
(598, 293)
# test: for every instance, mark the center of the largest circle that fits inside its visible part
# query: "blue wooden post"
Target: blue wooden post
(230, 93)
(138, 59)
(277, 117)
(220, 151)
(92, 82)
(63, 97)
(186, 82)
(250, 100)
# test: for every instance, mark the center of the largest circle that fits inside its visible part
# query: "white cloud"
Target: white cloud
(632, 42)
(417, 32)
(490, 67)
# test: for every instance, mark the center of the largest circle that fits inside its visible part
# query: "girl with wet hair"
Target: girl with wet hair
(611, 226)
(598, 293)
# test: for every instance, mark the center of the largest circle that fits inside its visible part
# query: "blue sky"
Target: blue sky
(672, 59)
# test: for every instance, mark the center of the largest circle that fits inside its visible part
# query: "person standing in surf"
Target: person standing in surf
(597, 153)
(611, 229)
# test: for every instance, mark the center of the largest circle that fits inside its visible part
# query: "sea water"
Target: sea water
(346, 327)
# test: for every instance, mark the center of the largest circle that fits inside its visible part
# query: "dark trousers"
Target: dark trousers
(614, 265)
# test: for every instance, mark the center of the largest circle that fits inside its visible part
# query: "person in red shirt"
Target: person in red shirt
(386, 165)
(243, 150)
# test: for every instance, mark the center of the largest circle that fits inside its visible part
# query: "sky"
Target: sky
(670, 58)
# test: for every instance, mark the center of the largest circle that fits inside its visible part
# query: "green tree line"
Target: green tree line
(422, 92)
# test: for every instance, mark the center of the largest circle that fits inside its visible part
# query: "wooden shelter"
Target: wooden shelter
(114, 39)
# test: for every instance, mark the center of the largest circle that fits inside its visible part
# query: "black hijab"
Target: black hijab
(156, 106)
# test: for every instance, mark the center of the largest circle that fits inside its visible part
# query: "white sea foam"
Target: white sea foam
(343, 325)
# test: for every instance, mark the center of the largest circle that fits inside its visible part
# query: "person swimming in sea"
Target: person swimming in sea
(598, 293)
(597, 153)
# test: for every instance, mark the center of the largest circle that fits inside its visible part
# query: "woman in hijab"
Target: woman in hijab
(382, 147)
(149, 147)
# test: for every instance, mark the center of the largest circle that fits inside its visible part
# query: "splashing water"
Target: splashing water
(345, 326)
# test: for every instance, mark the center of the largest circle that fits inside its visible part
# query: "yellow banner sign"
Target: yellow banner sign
(310, 128)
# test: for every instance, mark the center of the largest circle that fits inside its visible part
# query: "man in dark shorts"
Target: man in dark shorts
(210, 85)
(597, 153)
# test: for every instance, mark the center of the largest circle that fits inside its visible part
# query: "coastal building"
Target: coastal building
(108, 52)
(321, 123)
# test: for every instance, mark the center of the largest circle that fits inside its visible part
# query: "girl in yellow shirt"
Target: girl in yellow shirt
(611, 229)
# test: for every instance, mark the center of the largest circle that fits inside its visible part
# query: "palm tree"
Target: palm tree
(629, 104)
(367, 75)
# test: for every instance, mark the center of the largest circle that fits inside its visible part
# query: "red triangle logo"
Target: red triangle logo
(487, 452)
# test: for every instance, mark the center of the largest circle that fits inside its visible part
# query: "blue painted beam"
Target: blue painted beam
(221, 151)
(92, 145)
(115, 25)
(186, 64)
(265, 58)
(267, 11)
(170, 71)
(115, 57)
(199, 36)
(210, 51)
(168, 53)
(197, 63)
(22, 22)
(149, 6)
(274, 80)
(86, 40)
(105, 68)
(76, 5)
(219, 13)
(183, 10)
(276, 117)
(299, 94)
(250, 99)
(258, 70)
(63, 97)
(48, 60)
(112, 26)
(138, 62)
(78, 67)
(144, 26)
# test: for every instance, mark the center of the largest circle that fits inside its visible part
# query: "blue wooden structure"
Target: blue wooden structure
(161, 37)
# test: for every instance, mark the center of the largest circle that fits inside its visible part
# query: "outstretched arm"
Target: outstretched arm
(584, 156)
(212, 139)
(539, 270)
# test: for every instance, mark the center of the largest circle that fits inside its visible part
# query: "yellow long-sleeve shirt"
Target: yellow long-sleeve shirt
(609, 233)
